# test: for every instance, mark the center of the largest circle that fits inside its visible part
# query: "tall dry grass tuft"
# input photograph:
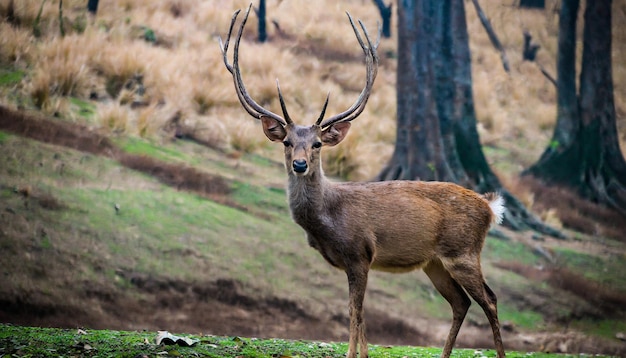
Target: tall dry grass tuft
(62, 71)
(119, 63)
(16, 44)
(114, 119)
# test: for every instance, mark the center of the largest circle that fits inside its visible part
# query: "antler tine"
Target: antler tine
(319, 120)
(253, 108)
(371, 64)
(282, 104)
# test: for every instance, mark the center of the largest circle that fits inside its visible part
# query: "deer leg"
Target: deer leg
(469, 275)
(357, 282)
(456, 297)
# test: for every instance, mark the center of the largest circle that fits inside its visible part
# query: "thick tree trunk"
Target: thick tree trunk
(584, 153)
(419, 145)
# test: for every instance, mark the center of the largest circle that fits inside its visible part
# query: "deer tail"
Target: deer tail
(496, 204)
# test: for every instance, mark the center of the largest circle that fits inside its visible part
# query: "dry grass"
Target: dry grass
(314, 53)
(16, 46)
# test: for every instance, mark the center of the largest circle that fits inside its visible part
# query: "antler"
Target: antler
(253, 108)
(257, 111)
(371, 63)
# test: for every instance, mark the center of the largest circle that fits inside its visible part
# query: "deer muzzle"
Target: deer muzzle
(300, 166)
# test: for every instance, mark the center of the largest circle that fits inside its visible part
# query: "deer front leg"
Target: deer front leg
(357, 282)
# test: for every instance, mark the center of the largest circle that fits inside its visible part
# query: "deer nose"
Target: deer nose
(299, 166)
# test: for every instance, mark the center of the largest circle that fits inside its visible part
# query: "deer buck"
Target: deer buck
(395, 226)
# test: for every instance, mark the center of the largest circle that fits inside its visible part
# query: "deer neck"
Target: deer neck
(307, 195)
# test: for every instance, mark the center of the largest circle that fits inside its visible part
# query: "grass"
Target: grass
(51, 342)
(10, 78)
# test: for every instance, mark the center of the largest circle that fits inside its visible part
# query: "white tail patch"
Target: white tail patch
(497, 208)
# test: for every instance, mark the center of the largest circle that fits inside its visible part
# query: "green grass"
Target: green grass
(10, 78)
(521, 318)
(4, 137)
(602, 328)
(16, 341)
(84, 109)
(503, 250)
(134, 145)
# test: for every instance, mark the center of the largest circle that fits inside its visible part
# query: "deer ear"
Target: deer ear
(273, 130)
(336, 133)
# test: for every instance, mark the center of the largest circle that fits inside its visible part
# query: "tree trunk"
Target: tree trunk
(419, 145)
(385, 15)
(261, 14)
(584, 153)
(559, 157)
(92, 6)
(437, 137)
(533, 4)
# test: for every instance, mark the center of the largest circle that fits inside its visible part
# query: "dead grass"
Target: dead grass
(16, 46)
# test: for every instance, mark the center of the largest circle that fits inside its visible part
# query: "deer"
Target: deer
(394, 226)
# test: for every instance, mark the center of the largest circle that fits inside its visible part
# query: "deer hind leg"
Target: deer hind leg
(357, 283)
(469, 275)
(454, 294)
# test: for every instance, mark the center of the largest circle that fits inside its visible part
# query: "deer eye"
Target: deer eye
(317, 145)
(287, 143)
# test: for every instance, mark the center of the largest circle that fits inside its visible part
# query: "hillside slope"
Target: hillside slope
(89, 242)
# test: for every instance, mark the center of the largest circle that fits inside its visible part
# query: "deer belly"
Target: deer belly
(397, 258)
(397, 267)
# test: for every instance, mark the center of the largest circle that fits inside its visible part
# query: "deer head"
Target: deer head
(303, 143)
